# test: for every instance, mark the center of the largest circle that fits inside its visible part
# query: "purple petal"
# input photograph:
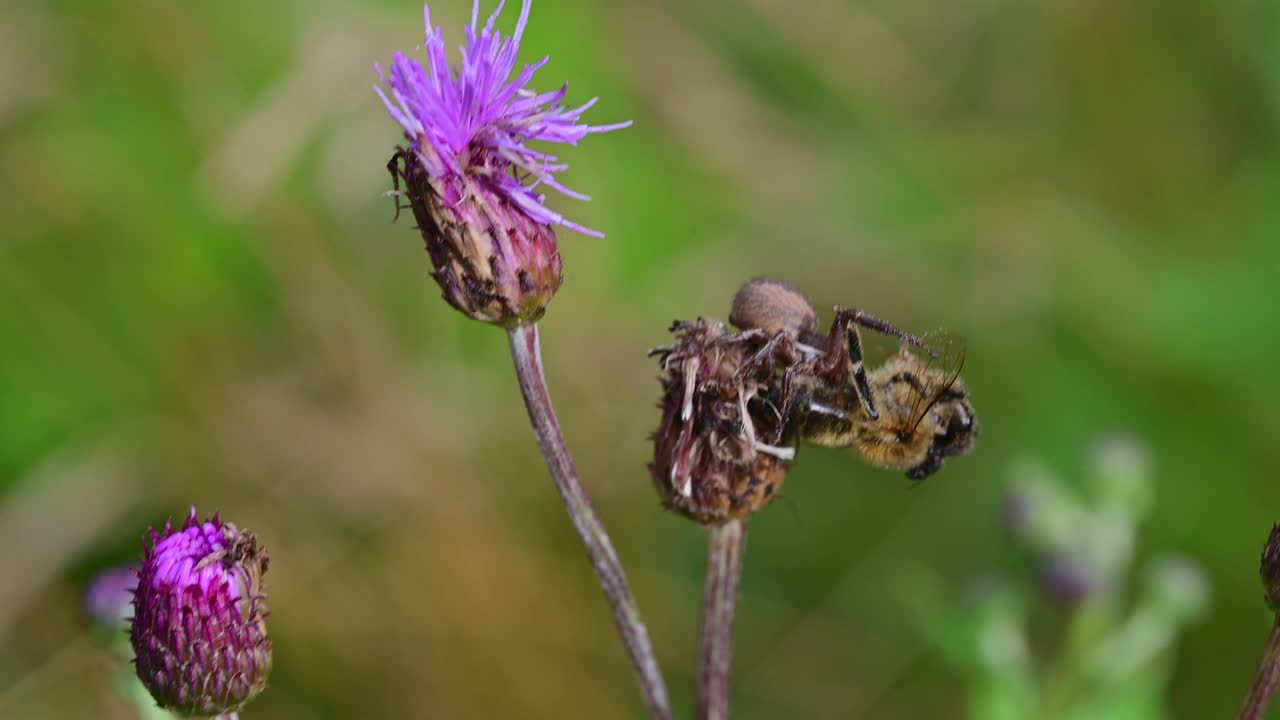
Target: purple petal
(477, 117)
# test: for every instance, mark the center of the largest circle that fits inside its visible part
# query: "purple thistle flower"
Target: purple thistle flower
(471, 179)
(199, 631)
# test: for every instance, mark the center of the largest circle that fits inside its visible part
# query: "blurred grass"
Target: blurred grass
(203, 299)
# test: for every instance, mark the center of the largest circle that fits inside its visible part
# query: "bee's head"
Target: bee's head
(954, 430)
(957, 425)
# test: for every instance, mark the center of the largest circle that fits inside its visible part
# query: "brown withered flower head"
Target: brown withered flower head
(470, 177)
(710, 462)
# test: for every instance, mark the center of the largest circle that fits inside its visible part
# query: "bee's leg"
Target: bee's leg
(845, 344)
(860, 372)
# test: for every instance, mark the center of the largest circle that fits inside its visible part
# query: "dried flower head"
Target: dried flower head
(709, 461)
(199, 627)
(469, 175)
(1270, 569)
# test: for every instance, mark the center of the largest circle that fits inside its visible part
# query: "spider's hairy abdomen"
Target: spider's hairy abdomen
(773, 306)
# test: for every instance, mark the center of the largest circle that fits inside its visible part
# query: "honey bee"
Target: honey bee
(908, 414)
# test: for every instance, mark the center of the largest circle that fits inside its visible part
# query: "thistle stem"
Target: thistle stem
(726, 545)
(527, 354)
(1265, 680)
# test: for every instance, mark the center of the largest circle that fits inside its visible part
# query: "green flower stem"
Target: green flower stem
(527, 354)
(1265, 680)
(726, 545)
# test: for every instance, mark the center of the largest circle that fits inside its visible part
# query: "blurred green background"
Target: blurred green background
(203, 300)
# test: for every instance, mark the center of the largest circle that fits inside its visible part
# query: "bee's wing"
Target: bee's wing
(940, 371)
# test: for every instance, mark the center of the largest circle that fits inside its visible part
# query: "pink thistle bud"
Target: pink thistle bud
(472, 180)
(199, 632)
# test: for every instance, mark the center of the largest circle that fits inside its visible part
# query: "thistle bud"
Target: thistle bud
(199, 632)
(492, 261)
(713, 459)
(469, 177)
(1270, 570)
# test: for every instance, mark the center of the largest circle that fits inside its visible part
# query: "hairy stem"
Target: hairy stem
(1265, 680)
(527, 354)
(726, 545)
